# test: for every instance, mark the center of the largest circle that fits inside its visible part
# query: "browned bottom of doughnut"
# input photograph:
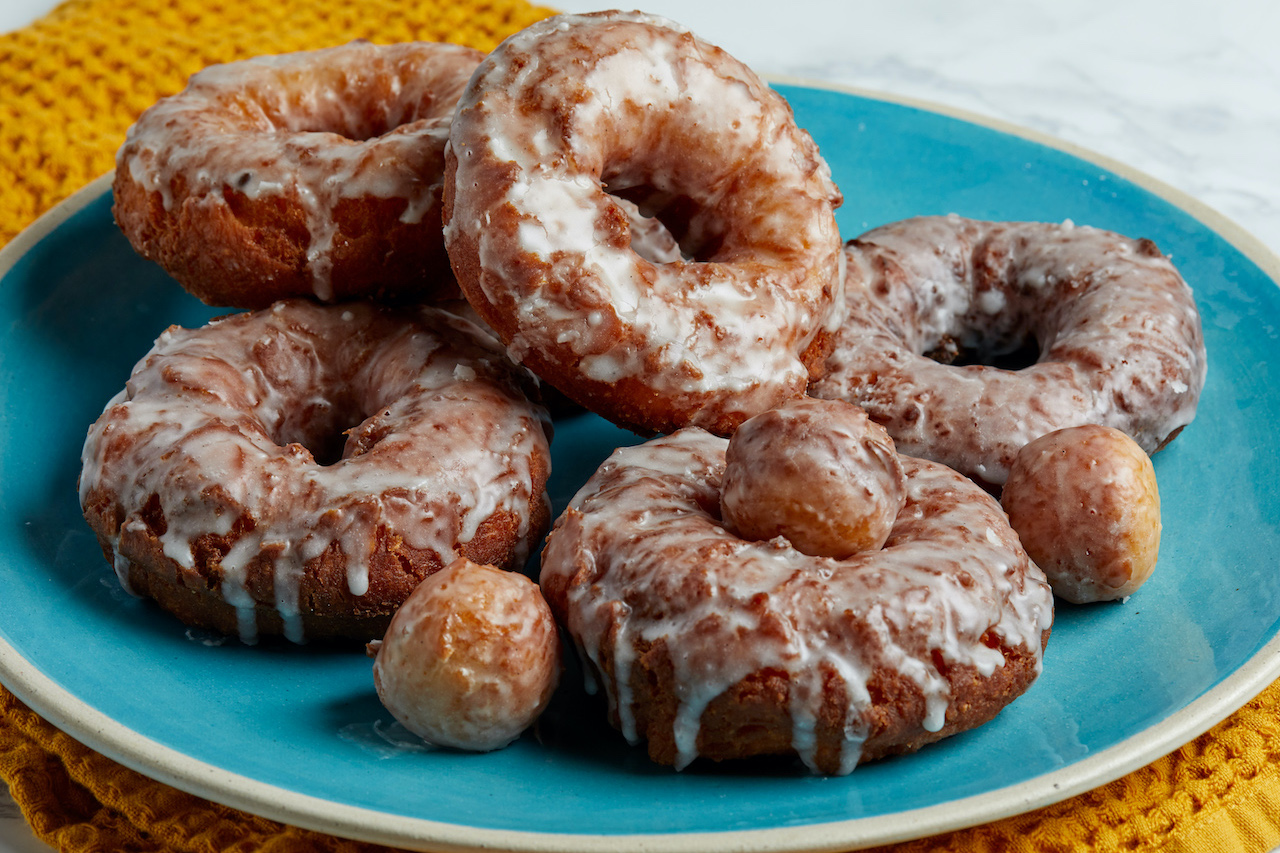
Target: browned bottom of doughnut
(751, 719)
(626, 401)
(328, 608)
(249, 253)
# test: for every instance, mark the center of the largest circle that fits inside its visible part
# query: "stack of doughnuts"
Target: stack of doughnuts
(811, 559)
(300, 468)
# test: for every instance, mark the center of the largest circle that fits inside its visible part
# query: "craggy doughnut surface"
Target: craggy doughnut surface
(305, 174)
(1116, 328)
(202, 482)
(576, 112)
(715, 646)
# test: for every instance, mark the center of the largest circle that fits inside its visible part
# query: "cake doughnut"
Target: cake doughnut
(471, 659)
(1086, 506)
(1114, 328)
(298, 470)
(573, 117)
(315, 173)
(708, 644)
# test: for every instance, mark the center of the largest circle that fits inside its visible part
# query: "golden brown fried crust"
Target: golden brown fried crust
(250, 253)
(329, 609)
(752, 718)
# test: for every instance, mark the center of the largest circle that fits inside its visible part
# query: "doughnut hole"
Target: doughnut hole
(819, 473)
(470, 659)
(1084, 502)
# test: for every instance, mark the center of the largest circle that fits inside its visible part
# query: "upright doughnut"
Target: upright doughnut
(298, 470)
(712, 645)
(1115, 329)
(570, 116)
(305, 174)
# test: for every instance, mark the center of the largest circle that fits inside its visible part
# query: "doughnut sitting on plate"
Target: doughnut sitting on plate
(1115, 331)
(565, 131)
(710, 643)
(300, 469)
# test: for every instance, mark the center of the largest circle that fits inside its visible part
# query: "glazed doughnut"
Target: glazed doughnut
(306, 174)
(470, 659)
(576, 112)
(1086, 506)
(298, 470)
(1115, 328)
(711, 645)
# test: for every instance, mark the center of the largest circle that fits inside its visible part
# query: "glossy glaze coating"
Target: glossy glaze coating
(470, 659)
(308, 463)
(577, 111)
(711, 645)
(1115, 329)
(819, 473)
(1086, 506)
(305, 174)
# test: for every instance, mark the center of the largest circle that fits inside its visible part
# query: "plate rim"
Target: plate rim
(99, 731)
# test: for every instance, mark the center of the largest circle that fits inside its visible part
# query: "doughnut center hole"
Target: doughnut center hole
(345, 116)
(951, 352)
(352, 128)
(321, 427)
(666, 227)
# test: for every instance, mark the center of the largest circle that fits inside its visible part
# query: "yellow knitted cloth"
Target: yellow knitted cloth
(69, 87)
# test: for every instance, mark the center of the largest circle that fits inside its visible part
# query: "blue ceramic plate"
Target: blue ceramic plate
(296, 733)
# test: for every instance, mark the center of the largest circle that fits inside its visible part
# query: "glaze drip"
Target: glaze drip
(207, 449)
(950, 589)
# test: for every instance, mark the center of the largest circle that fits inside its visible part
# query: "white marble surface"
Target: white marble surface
(1187, 91)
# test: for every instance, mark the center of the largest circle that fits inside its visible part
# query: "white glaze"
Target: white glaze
(215, 423)
(951, 570)
(1118, 331)
(652, 108)
(313, 128)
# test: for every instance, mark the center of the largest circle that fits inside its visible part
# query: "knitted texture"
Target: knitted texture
(69, 87)
(1218, 794)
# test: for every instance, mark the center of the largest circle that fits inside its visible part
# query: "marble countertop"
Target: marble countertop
(1188, 92)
